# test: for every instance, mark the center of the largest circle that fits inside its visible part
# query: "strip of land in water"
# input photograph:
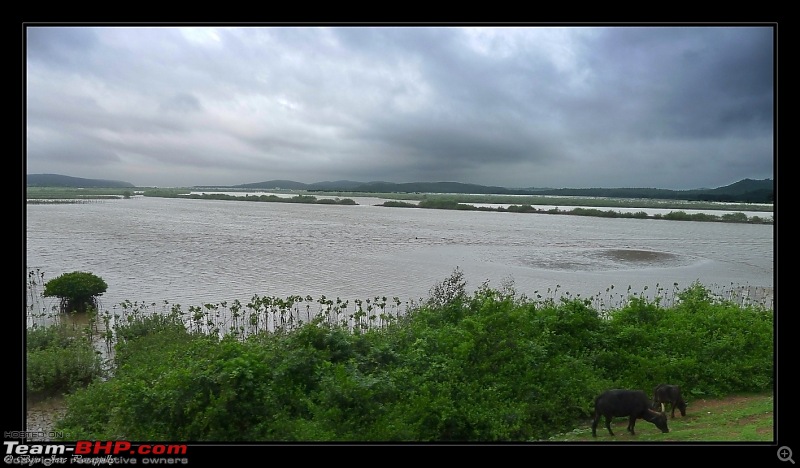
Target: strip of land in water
(516, 204)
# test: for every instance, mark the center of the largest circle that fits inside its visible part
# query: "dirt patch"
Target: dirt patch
(41, 418)
(637, 256)
(712, 405)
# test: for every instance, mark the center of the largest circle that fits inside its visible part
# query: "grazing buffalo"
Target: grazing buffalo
(634, 404)
(671, 394)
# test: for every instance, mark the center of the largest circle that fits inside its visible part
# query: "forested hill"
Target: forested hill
(744, 191)
(57, 180)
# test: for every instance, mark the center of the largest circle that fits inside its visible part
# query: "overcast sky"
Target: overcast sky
(564, 107)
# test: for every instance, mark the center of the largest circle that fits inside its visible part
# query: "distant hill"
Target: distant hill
(275, 184)
(744, 191)
(745, 186)
(386, 187)
(57, 180)
(433, 187)
(338, 185)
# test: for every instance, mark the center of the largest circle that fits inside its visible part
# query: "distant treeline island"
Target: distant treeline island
(746, 195)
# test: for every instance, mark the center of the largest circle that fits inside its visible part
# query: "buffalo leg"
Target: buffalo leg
(631, 423)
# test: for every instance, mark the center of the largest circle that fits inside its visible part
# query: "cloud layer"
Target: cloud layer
(664, 107)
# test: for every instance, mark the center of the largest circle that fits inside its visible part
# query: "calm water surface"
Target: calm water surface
(192, 252)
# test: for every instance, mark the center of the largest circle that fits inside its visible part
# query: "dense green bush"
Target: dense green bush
(398, 204)
(77, 290)
(521, 209)
(707, 345)
(486, 366)
(59, 360)
(137, 325)
(445, 205)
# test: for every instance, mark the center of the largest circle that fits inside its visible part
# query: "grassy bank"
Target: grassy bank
(733, 418)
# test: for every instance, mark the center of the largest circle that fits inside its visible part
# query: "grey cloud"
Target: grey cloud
(604, 106)
(181, 102)
(59, 46)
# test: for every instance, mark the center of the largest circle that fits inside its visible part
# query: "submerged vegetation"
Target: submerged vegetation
(673, 215)
(672, 204)
(488, 365)
(264, 198)
(517, 204)
(42, 195)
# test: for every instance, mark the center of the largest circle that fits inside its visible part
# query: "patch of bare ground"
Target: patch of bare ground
(41, 418)
(710, 405)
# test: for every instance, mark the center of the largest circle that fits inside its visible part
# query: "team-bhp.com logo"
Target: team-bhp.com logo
(94, 453)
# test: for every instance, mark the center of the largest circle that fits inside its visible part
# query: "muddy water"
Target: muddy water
(192, 252)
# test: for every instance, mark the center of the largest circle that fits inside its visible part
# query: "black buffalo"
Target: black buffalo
(665, 393)
(634, 404)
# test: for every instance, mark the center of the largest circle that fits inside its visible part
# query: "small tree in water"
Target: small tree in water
(77, 290)
(450, 291)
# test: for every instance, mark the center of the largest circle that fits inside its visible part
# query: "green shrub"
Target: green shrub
(138, 325)
(399, 204)
(59, 361)
(490, 366)
(53, 336)
(77, 290)
(85, 418)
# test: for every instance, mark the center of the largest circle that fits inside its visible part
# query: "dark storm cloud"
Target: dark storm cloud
(471, 114)
(59, 46)
(668, 107)
(685, 81)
